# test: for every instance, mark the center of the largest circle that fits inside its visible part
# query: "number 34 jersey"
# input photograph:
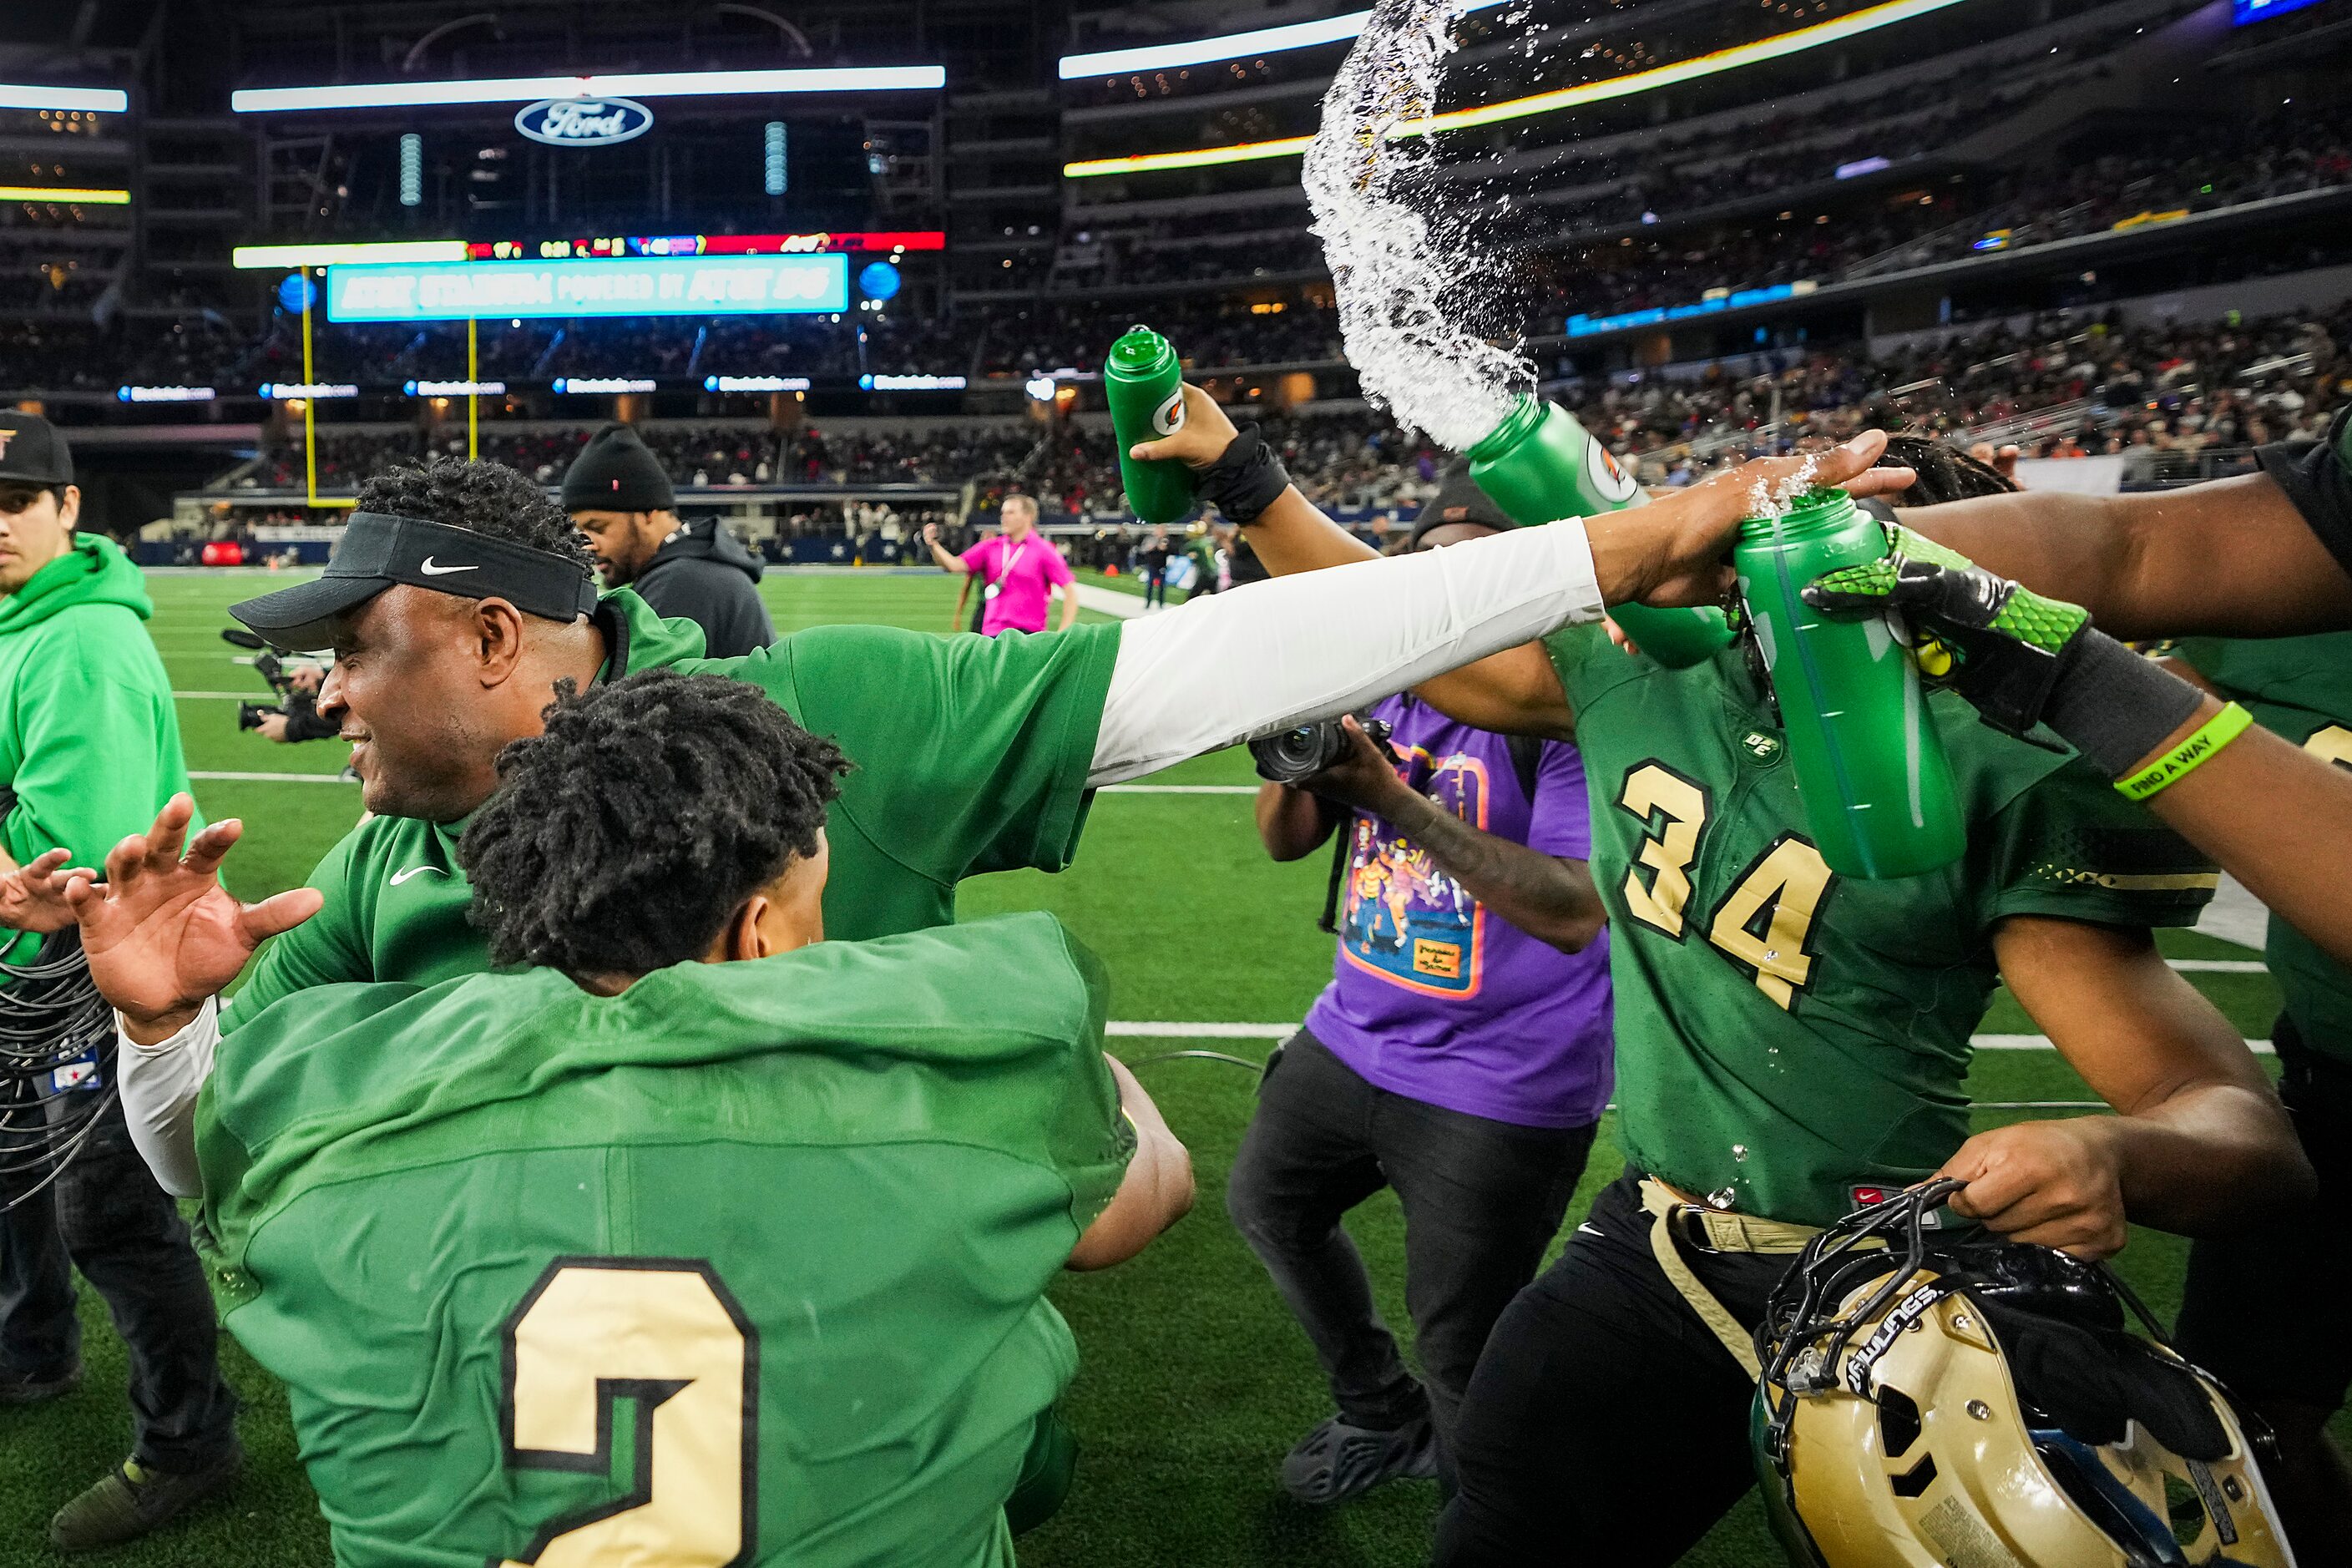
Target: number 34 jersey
(746, 1265)
(1788, 1039)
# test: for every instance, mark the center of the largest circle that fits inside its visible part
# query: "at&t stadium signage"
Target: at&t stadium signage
(584, 121)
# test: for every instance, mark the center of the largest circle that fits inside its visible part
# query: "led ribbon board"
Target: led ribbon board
(675, 286)
(1228, 46)
(1834, 31)
(629, 84)
(94, 99)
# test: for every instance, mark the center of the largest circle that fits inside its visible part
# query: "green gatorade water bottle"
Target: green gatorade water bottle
(1146, 389)
(1540, 464)
(1870, 770)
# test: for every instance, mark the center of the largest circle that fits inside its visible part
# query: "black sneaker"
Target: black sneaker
(131, 1499)
(23, 1388)
(1337, 1461)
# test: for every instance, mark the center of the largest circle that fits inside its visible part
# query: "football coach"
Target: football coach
(460, 602)
(89, 750)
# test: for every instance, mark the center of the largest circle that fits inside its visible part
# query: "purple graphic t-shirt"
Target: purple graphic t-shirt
(1437, 997)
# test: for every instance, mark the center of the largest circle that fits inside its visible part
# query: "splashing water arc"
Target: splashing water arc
(1402, 283)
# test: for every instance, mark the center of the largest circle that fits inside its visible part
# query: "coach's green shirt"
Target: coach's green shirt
(89, 744)
(970, 755)
(1790, 1040)
(2300, 688)
(745, 1264)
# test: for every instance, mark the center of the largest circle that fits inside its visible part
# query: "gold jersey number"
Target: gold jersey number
(666, 1335)
(1764, 924)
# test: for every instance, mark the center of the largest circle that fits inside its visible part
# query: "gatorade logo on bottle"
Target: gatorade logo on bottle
(1169, 418)
(1613, 482)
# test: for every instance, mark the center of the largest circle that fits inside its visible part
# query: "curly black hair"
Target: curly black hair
(625, 838)
(1946, 472)
(487, 498)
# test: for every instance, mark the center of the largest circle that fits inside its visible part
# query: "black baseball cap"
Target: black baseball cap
(32, 452)
(379, 549)
(1458, 500)
(617, 472)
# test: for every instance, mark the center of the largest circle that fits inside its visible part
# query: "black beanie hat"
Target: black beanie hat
(1458, 500)
(615, 473)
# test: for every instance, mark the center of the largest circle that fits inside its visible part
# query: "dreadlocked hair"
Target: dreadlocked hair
(1946, 472)
(625, 838)
(490, 499)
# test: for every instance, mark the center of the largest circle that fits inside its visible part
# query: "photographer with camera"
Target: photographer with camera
(295, 715)
(1461, 1053)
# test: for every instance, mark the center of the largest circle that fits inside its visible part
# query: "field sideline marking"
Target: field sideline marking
(1159, 1030)
(274, 778)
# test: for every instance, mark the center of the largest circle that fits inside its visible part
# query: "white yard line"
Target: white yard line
(274, 778)
(1166, 1030)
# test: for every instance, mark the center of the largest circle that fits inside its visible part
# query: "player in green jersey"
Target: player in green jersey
(459, 596)
(691, 1238)
(2239, 1317)
(1792, 1045)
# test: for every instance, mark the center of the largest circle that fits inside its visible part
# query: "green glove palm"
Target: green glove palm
(2001, 647)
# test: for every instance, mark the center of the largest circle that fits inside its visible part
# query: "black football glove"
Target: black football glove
(2001, 646)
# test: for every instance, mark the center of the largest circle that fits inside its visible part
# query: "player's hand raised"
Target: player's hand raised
(31, 899)
(161, 932)
(1674, 551)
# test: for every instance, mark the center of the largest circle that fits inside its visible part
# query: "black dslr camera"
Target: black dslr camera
(299, 708)
(1298, 754)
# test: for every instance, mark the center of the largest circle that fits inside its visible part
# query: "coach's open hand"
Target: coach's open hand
(30, 901)
(161, 932)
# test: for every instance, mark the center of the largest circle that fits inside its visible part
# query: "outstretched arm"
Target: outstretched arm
(948, 561)
(2232, 558)
(2200, 1140)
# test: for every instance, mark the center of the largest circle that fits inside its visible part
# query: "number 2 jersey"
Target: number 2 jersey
(1791, 1042)
(746, 1265)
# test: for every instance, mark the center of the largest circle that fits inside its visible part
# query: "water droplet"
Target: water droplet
(1721, 1198)
(1739, 1150)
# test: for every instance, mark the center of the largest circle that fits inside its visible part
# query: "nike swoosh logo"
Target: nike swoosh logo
(430, 570)
(400, 877)
(1581, 1230)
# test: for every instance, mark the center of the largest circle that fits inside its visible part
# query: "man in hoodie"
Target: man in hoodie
(620, 495)
(90, 748)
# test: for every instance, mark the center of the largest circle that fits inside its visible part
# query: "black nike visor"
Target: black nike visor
(379, 551)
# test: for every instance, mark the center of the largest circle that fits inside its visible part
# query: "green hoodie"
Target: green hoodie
(88, 739)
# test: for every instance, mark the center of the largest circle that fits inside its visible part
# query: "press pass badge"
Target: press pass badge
(81, 1073)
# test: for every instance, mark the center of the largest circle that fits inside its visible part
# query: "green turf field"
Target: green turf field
(1195, 1379)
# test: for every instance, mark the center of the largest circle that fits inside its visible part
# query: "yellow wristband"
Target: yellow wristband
(2185, 758)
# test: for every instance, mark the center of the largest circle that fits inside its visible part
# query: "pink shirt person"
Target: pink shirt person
(1016, 571)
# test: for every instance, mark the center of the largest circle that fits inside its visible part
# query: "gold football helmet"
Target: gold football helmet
(1935, 1403)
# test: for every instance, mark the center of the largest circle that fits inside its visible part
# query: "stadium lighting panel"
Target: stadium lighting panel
(1779, 46)
(82, 195)
(1227, 45)
(94, 99)
(412, 170)
(625, 84)
(252, 257)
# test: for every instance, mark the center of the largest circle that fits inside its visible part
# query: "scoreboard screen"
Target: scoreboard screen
(673, 286)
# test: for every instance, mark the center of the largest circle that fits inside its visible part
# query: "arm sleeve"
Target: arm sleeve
(2070, 847)
(2317, 479)
(1057, 567)
(1560, 821)
(328, 947)
(159, 1086)
(971, 557)
(1324, 643)
(94, 769)
(970, 753)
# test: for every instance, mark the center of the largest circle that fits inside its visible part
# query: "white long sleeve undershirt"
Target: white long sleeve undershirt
(159, 1085)
(1320, 644)
(1220, 670)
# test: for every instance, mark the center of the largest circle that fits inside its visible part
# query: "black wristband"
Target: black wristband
(1247, 478)
(1876, 507)
(2114, 706)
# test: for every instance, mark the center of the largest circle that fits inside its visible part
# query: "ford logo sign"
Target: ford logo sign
(584, 121)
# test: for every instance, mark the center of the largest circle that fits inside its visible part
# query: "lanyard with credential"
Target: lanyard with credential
(1005, 560)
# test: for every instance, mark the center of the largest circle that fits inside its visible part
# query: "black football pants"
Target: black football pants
(1482, 1200)
(1605, 1424)
(105, 1215)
